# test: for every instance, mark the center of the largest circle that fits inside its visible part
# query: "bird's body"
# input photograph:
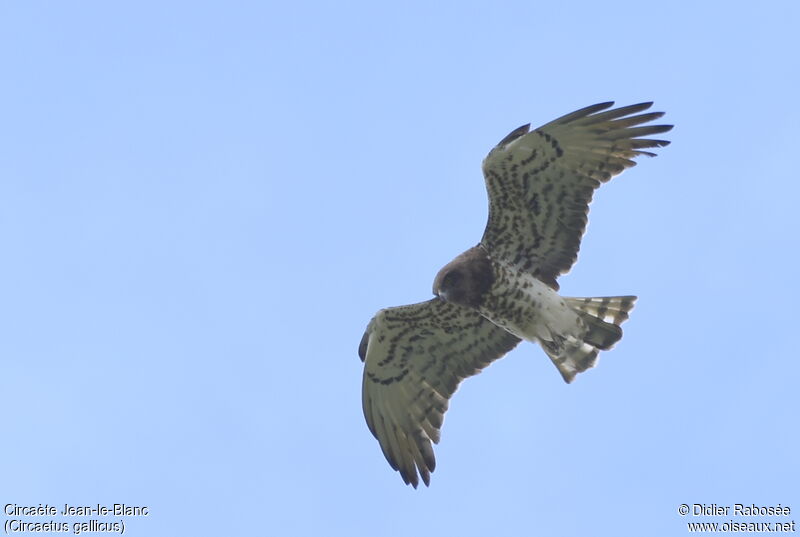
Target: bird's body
(514, 299)
(527, 307)
(504, 289)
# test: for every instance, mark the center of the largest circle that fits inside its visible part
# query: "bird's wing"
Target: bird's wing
(540, 183)
(415, 357)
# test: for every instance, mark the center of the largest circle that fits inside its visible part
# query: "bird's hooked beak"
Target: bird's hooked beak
(436, 284)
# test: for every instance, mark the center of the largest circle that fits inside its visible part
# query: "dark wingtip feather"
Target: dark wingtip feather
(591, 109)
(430, 460)
(513, 135)
(426, 478)
(651, 143)
(622, 111)
(658, 129)
(638, 107)
(639, 143)
(583, 112)
(636, 132)
(362, 346)
(409, 479)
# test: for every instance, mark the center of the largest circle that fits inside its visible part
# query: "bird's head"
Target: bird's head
(465, 279)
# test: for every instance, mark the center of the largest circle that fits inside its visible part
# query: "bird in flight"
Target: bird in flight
(504, 290)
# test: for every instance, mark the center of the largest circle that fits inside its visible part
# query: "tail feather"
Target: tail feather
(612, 309)
(571, 356)
(601, 316)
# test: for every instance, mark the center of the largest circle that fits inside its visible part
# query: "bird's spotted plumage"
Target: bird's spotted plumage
(405, 396)
(503, 290)
(540, 183)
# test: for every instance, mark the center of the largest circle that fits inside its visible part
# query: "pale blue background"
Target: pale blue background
(203, 203)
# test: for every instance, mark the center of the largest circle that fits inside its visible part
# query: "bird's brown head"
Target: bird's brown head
(465, 279)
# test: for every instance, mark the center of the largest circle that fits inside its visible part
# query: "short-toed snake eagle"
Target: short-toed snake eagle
(504, 290)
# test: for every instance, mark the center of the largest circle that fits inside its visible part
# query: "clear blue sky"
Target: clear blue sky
(203, 203)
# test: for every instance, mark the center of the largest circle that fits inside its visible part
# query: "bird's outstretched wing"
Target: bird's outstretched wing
(415, 357)
(540, 183)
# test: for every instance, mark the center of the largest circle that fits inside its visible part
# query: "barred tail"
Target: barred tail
(601, 316)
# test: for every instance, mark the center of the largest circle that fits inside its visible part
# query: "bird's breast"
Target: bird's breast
(524, 305)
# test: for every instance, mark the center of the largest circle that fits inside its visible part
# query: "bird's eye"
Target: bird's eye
(453, 277)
